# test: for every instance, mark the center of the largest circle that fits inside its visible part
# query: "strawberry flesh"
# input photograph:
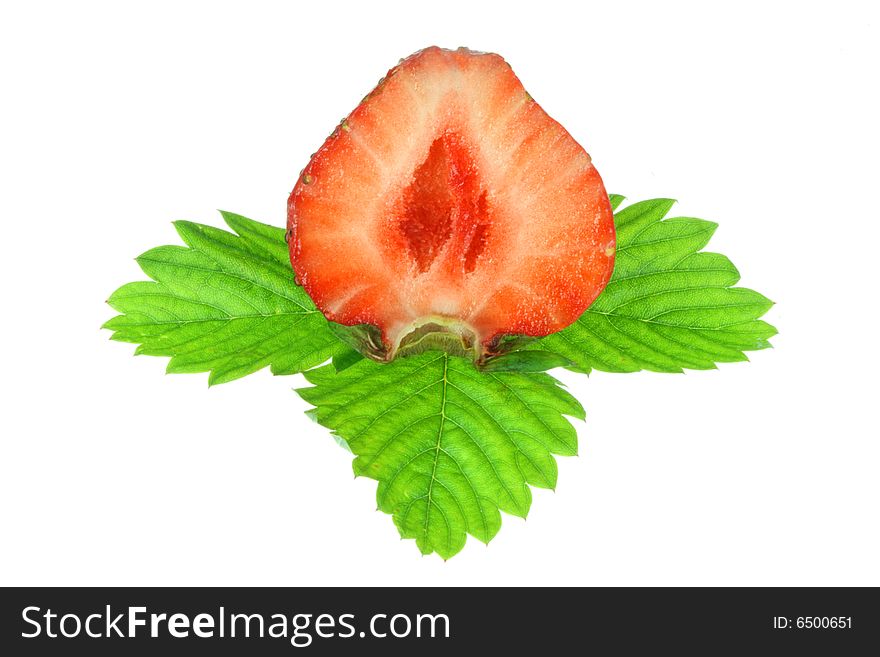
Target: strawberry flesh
(449, 202)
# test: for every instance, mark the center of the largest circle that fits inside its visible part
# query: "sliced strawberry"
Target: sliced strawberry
(448, 197)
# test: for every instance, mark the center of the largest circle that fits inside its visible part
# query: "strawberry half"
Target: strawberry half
(448, 210)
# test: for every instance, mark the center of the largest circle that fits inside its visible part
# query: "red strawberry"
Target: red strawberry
(449, 202)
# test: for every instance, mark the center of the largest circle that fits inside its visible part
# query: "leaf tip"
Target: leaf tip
(229, 219)
(185, 229)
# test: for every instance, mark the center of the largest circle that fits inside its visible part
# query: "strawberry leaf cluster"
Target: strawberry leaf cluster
(451, 445)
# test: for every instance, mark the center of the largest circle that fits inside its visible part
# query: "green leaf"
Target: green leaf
(346, 359)
(526, 361)
(225, 304)
(616, 200)
(668, 306)
(449, 445)
(261, 239)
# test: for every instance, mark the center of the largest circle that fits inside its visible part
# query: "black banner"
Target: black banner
(333, 621)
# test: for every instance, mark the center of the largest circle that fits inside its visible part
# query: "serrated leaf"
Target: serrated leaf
(224, 303)
(668, 306)
(450, 446)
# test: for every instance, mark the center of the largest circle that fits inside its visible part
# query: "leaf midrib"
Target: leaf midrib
(437, 448)
(228, 318)
(678, 326)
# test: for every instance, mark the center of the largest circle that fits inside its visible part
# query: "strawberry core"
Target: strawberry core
(445, 207)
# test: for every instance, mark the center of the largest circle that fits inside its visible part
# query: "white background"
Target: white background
(119, 118)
